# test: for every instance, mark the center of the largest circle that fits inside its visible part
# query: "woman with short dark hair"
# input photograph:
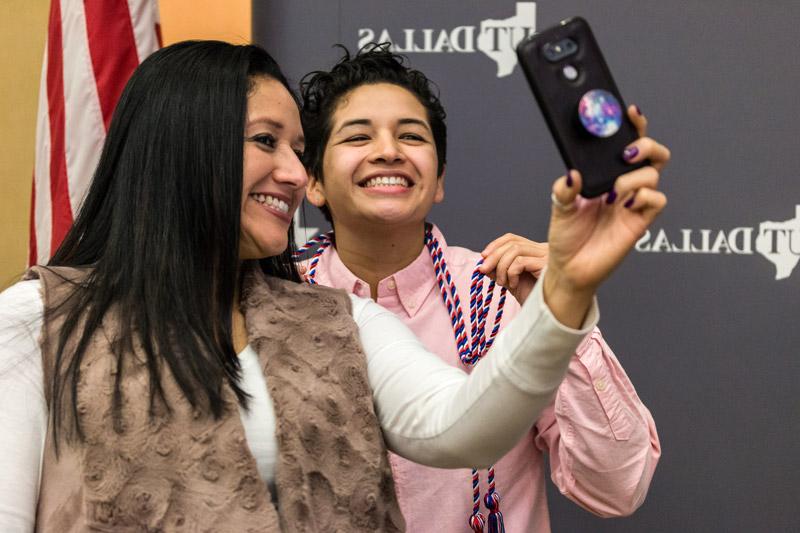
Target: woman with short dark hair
(376, 153)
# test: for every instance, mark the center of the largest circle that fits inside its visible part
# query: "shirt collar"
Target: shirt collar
(415, 282)
(412, 284)
(331, 272)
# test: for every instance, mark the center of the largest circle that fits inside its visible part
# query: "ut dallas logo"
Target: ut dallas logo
(497, 38)
(777, 241)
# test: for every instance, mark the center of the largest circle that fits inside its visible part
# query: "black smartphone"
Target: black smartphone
(580, 102)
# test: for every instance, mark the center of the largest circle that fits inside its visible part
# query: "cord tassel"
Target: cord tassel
(495, 522)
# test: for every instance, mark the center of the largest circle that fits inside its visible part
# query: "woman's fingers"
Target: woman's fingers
(492, 249)
(638, 192)
(565, 193)
(638, 119)
(521, 264)
(644, 147)
(508, 273)
(647, 148)
(500, 262)
(648, 202)
(508, 256)
(497, 243)
(645, 177)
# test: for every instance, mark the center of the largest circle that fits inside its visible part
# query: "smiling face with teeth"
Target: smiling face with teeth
(380, 162)
(274, 178)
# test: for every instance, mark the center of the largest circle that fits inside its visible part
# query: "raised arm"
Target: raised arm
(436, 414)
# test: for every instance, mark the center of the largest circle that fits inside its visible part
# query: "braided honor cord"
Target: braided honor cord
(470, 353)
(470, 348)
(324, 240)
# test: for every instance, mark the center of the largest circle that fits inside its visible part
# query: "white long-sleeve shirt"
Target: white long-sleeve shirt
(429, 411)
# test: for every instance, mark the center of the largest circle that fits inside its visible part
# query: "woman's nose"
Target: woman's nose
(290, 169)
(387, 150)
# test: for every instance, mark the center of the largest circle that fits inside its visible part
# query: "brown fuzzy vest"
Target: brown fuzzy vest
(187, 471)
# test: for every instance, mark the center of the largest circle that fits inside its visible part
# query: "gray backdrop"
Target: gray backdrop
(707, 333)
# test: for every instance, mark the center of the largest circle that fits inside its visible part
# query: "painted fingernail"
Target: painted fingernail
(612, 195)
(629, 153)
(569, 178)
(638, 111)
(629, 203)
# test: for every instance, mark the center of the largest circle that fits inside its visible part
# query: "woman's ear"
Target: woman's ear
(315, 191)
(439, 197)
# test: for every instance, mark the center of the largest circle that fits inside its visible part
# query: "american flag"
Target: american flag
(92, 48)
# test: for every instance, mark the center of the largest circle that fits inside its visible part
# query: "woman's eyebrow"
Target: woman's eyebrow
(368, 122)
(417, 121)
(266, 120)
(355, 122)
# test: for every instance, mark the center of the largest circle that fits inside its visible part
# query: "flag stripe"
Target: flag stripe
(59, 189)
(144, 21)
(84, 129)
(112, 48)
(92, 48)
(40, 210)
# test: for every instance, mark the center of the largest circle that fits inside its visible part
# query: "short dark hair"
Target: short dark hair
(321, 91)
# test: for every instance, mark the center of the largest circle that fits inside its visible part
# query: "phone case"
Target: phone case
(580, 102)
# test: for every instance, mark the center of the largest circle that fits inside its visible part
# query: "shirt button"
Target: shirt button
(391, 284)
(600, 385)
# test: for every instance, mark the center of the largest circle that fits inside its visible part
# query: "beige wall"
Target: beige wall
(23, 28)
(225, 20)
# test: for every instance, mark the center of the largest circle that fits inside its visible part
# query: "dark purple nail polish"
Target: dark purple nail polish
(638, 111)
(569, 178)
(629, 153)
(629, 203)
(612, 195)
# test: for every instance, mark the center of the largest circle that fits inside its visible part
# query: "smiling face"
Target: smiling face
(274, 178)
(380, 160)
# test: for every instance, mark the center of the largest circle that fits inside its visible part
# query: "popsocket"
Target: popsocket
(600, 113)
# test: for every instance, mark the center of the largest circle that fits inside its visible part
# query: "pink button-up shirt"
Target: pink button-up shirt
(601, 439)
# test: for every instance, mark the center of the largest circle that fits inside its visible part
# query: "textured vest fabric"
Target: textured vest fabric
(186, 471)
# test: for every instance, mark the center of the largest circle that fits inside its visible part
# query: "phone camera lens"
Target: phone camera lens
(556, 51)
(570, 72)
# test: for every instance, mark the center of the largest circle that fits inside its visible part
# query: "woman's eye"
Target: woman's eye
(265, 139)
(412, 137)
(356, 138)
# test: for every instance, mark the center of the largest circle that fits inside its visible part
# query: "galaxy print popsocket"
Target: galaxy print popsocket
(600, 113)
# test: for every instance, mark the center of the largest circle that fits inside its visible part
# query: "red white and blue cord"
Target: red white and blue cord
(471, 348)
(324, 240)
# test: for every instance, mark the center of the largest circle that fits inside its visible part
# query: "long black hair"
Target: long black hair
(159, 230)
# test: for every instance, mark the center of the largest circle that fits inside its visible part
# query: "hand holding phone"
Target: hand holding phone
(580, 102)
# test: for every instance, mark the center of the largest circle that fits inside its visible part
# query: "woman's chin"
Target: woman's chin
(255, 251)
(394, 217)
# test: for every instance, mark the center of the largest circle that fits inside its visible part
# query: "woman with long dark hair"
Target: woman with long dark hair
(167, 371)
